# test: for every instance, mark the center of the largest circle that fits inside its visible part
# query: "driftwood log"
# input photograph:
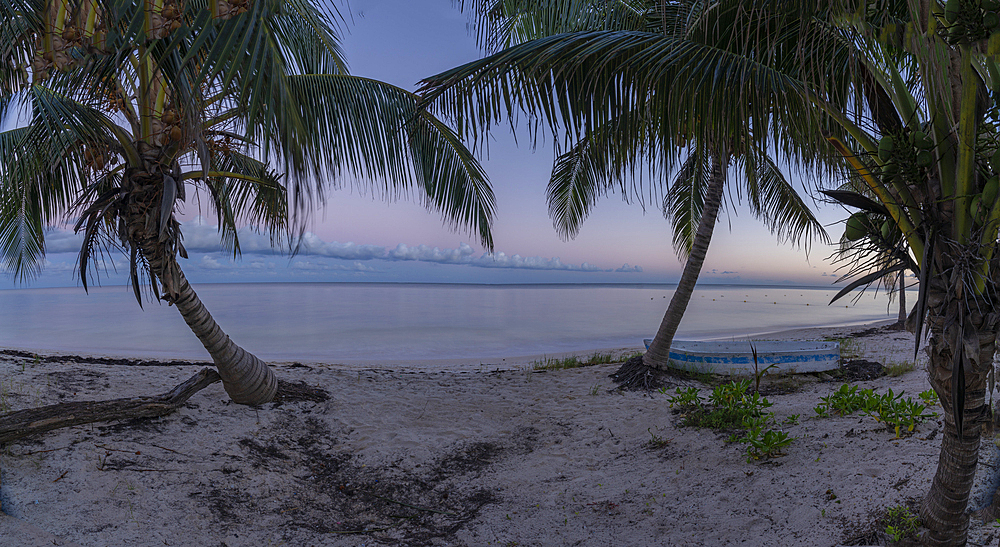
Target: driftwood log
(22, 423)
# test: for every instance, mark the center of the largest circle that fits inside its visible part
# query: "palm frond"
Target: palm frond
(578, 180)
(685, 200)
(366, 129)
(246, 193)
(778, 205)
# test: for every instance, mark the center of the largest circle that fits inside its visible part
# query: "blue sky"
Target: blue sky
(358, 237)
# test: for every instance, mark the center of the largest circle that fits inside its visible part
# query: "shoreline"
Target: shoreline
(512, 362)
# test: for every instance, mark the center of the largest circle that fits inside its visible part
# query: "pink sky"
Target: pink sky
(402, 41)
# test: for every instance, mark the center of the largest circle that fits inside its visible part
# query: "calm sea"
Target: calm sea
(388, 323)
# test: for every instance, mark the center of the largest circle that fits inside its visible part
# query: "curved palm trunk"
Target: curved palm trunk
(658, 354)
(247, 379)
(944, 509)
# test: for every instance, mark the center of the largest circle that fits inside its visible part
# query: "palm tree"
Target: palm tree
(605, 74)
(913, 78)
(923, 139)
(137, 108)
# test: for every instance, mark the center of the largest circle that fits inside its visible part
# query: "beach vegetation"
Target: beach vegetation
(125, 114)
(758, 372)
(6, 394)
(685, 399)
(736, 408)
(900, 523)
(898, 368)
(656, 441)
(573, 361)
(850, 348)
(765, 444)
(899, 414)
(929, 397)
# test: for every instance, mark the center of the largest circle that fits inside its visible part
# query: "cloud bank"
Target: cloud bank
(202, 237)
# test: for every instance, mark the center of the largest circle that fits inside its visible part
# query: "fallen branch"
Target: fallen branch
(22, 423)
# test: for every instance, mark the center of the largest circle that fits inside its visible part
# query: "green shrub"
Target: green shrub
(733, 406)
(901, 523)
(891, 409)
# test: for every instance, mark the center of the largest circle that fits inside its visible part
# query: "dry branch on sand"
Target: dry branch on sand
(23, 423)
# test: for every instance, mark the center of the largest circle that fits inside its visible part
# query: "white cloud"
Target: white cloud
(203, 237)
(313, 245)
(314, 266)
(423, 253)
(62, 240)
(501, 260)
(210, 263)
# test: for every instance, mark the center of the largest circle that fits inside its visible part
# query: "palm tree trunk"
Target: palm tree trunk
(658, 354)
(902, 297)
(944, 509)
(246, 379)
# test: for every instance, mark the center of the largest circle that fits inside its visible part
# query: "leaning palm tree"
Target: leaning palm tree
(128, 110)
(622, 80)
(912, 89)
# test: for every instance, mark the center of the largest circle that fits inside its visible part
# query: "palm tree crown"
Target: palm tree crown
(137, 107)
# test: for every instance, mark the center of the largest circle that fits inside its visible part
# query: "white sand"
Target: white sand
(449, 458)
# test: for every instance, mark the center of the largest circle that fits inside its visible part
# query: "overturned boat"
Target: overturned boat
(736, 358)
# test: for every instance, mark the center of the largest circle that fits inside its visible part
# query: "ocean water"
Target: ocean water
(398, 323)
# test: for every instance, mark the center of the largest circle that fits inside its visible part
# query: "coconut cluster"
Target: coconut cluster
(969, 20)
(230, 8)
(167, 19)
(166, 128)
(71, 32)
(905, 155)
(982, 203)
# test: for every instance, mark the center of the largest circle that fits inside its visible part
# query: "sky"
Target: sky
(357, 237)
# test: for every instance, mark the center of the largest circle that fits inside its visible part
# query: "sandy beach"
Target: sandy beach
(491, 457)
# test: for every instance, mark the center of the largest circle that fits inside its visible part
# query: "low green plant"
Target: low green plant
(900, 523)
(889, 408)
(765, 443)
(734, 406)
(8, 390)
(656, 441)
(684, 398)
(792, 420)
(929, 397)
(850, 348)
(597, 358)
(846, 400)
(758, 373)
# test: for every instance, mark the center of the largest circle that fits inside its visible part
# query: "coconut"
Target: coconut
(856, 227)
(990, 191)
(885, 148)
(951, 10)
